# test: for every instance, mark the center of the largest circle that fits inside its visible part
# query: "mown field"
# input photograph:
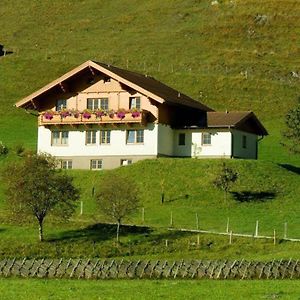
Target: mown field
(146, 289)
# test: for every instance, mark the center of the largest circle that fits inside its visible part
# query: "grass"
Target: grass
(264, 192)
(147, 289)
(176, 42)
(226, 56)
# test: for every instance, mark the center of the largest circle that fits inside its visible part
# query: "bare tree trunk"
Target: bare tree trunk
(41, 234)
(118, 231)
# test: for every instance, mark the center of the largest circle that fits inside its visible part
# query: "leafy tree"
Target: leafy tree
(292, 133)
(225, 179)
(35, 188)
(117, 197)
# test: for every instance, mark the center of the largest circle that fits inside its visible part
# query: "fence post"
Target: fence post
(227, 226)
(167, 243)
(143, 215)
(256, 229)
(285, 230)
(230, 237)
(198, 239)
(171, 219)
(274, 237)
(197, 221)
(81, 208)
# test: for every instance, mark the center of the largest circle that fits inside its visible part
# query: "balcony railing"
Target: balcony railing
(55, 118)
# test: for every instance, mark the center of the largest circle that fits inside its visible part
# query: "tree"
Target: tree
(35, 188)
(225, 179)
(117, 197)
(292, 133)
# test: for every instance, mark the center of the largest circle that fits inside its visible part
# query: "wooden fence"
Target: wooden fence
(122, 269)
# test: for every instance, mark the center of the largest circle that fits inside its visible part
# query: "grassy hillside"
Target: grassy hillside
(237, 55)
(265, 192)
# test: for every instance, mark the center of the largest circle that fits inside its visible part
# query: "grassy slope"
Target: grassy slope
(195, 47)
(188, 191)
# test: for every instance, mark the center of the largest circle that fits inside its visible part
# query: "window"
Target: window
(244, 142)
(60, 138)
(105, 137)
(135, 136)
(206, 138)
(126, 162)
(61, 104)
(96, 164)
(66, 164)
(90, 137)
(135, 102)
(181, 140)
(97, 103)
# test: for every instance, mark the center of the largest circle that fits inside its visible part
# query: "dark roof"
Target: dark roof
(143, 83)
(243, 120)
(225, 119)
(156, 87)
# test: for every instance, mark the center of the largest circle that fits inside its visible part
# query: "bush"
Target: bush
(19, 148)
(3, 149)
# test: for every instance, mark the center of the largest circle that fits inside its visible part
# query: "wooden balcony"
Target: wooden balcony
(81, 119)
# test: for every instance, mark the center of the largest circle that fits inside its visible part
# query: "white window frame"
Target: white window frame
(91, 137)
(97, 103)
(204, 142)
(96, 164)
(135, 102)
(61, 140)
(136, 136)
(105, 136)
(66, 164)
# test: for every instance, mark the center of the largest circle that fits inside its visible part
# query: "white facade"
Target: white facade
(220, 145)
(165, 140)
(244, 144)
(77, 143)
(159, 140)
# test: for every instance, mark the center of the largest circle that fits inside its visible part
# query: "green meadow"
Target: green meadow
(237, 55)
(147, 289)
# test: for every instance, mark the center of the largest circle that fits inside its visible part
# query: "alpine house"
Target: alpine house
(98, 116)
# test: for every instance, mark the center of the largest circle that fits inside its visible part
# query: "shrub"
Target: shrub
(19, 148)
(3, 149)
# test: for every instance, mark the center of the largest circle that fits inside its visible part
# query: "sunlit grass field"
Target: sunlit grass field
(264, 192)
(237, 55)
(147, 289)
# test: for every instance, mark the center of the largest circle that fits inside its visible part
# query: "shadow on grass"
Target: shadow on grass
(180, 197)
(98, 232)
(168, 235)
(291, 168)
(248, 196)
(4, 52)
